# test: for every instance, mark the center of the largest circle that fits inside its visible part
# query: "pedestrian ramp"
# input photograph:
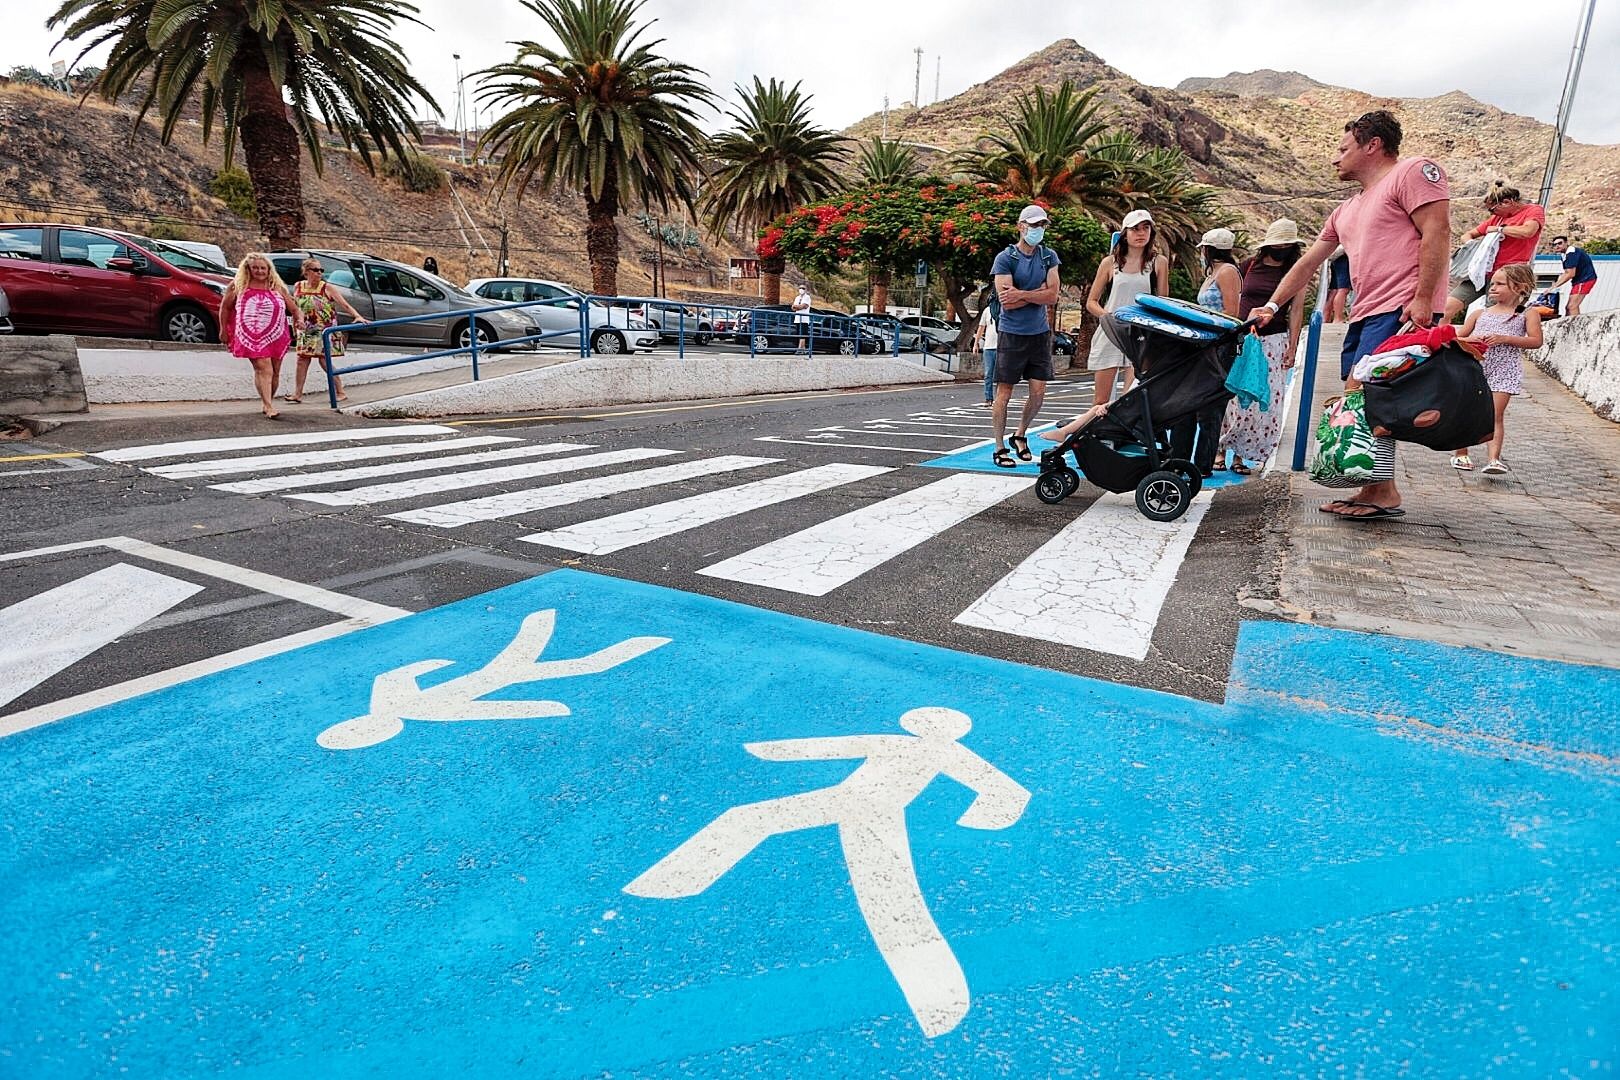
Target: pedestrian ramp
(750, 525)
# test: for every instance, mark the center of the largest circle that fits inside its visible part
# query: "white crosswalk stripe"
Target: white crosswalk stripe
(186, 470)
(289, 481)
(1098, 584)
(819, 559)
(513, 503)
(604, 535)
(152, 451)
(456, 481)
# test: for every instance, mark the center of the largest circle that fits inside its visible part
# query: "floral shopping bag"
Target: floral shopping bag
(1345, 451)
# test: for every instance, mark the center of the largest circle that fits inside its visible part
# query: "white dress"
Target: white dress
(1124, 289)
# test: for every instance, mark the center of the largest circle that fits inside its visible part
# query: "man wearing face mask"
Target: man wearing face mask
(1026, 281)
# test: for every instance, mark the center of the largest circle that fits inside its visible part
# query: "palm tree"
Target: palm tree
(1042, 152)
(604, 114)
(885, 161)
(274, 72)
(772, 161)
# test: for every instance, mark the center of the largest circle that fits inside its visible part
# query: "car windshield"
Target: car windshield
(453, 290)
(180, 257)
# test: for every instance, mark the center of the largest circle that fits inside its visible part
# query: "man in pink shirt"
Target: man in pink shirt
(1518, 223)
(1397, 232)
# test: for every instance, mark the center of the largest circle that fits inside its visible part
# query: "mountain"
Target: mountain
(1266, 138)
(62, 160)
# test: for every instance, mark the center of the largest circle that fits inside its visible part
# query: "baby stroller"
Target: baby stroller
(1182, 355)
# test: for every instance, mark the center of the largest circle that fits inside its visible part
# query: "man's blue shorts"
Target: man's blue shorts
(1362, 338)
(1340, 273)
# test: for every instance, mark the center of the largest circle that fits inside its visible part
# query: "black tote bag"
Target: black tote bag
(1443, 403)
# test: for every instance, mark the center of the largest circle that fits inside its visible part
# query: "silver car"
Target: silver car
(383, 289)
(613, 330)
(5, 313)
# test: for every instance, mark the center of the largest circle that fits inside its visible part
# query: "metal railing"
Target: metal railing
(472, 348)
(1307, 376)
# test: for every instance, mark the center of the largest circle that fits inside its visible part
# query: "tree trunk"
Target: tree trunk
(956, 293)
(880, 291)
(770, 278)
(602, 238)
(1082, 339)
(270, 147)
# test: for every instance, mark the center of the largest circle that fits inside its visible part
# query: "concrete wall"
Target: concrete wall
(40, 374)
(126, 374)
(1584, 354)
(624, 380)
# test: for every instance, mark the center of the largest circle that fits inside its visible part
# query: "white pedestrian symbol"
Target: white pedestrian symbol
(396, 697)
(869, 808)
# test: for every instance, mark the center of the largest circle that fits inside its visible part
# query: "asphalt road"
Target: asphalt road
(359, 550)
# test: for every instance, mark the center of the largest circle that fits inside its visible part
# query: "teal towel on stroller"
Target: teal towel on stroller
(1249, 380)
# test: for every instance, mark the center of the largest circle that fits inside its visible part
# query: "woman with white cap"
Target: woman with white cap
(1134, 267)
(1196, 437)
(1249, 433)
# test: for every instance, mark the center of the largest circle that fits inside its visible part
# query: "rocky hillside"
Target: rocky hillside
(1265, 138)
(60, 160)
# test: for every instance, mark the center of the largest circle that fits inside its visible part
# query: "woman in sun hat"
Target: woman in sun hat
(1250, 434)
(1132, 268)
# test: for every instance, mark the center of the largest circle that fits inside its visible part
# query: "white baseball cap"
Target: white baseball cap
(1219, 239)
(1033, 213)
(1135, 218)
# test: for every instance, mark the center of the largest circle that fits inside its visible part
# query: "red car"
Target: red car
(74, 279)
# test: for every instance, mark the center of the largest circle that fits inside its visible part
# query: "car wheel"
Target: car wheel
(189, 324)
(848, 347)
(608, 342)
(704, 337)
(762, 343)
(464, 335)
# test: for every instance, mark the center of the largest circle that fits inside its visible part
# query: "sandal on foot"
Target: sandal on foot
(1461, 463)
(272, 416)
(1020, 446)
(1377, 512)
(1003, 458)
(1496, 467)
(293, 400)
(1242, 469)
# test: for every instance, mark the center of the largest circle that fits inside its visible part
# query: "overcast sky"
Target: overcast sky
(850, 53)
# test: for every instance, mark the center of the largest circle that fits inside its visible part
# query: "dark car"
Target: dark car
(74, 279)
(772, 328)
(1063, 342)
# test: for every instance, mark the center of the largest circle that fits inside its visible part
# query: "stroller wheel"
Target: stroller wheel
(1052, 488)
(1071, 480)
(1189, 472)
(1163, 495)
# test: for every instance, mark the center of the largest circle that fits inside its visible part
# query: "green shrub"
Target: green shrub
(414, 172)
(163, 230)
(235, 190)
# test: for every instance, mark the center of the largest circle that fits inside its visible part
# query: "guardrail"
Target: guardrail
(472, 347)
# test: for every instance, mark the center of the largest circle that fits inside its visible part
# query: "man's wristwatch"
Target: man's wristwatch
(1272, 304)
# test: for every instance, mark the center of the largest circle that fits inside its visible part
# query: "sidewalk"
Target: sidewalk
(1527, 564)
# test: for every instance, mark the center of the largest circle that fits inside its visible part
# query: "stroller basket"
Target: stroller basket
(1180, 369)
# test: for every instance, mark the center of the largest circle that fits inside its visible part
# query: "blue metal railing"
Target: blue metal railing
(471, 348)
(1307, 376)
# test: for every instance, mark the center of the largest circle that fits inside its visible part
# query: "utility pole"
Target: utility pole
(461, 109)
(916, 82)
(658, 267)
(1567, 104)
(885, 116)
(505, 236)
(937, 62)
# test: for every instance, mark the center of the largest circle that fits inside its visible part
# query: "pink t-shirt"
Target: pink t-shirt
(1376, 230)
(1516, 248)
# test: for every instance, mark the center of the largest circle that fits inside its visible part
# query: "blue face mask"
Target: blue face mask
(1034, 235)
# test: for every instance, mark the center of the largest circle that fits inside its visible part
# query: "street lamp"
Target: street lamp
(461, 109)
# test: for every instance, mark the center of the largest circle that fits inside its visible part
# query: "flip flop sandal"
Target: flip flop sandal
(1379, 513)
(1326, 508)
(1021, 446)
(1242, 470)
(1003, 458)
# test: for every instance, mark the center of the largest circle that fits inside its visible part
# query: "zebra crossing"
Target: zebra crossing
(1098, 583)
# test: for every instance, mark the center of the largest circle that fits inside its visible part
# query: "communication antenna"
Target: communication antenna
(916, 85)
(936, 79)
(885, 116)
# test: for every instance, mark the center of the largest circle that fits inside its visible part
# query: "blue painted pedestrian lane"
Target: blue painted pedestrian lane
(581, 826)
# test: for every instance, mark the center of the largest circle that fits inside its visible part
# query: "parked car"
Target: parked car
(1063, 342)
(5, 313)
(383, 289)
(772, 327)
(212, 252)
(725, 321)
(74, 279)
(941, 335)
(613, 330)
(698, 326)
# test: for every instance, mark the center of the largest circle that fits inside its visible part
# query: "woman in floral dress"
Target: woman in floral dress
(319, 301)
(1252, 435)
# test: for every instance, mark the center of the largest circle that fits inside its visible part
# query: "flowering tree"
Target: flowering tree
(956, 226)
